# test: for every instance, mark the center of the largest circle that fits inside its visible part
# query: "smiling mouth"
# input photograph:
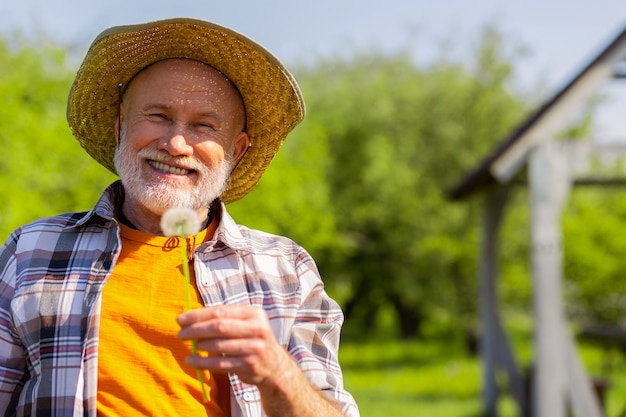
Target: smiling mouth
(168, 169)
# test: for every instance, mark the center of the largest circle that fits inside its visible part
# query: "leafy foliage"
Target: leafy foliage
(594, 261)
(44, 170)
(361, 184)
(388, 138)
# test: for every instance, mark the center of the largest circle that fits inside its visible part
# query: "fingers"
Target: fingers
(235, 311)
(224, 322)
(215, 363)
(250, 369)
(220, 363)
(233, 346)
(237, 338)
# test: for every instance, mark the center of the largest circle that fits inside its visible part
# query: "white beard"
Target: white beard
(158, 196)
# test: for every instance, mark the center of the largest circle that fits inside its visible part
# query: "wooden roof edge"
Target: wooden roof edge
(480, 176)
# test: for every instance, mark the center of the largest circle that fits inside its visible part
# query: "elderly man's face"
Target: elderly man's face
(181, 129)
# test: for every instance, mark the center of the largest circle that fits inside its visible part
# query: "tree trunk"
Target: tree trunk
(409, 318)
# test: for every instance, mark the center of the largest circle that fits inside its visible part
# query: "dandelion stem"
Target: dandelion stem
(194, 348)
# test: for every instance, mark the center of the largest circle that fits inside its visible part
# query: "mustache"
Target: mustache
(187, 162)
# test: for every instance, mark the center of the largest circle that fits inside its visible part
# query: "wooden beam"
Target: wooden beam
(557, 371)
(492, 215)
(517, 382)
(556, 114)
(548, 182)
(495, 348)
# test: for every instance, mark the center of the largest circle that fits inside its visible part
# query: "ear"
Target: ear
(242, 143)
(118, 124)
(117, 131)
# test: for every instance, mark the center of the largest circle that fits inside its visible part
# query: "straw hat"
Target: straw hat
(272, 98)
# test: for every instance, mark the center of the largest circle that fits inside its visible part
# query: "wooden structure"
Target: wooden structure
(550, 168)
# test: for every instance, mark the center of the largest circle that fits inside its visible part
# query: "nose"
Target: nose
(177, 145)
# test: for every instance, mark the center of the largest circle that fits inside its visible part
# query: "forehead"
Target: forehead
(182, 76)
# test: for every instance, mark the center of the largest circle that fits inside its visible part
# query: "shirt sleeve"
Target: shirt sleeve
(314, 341)
(13, 371)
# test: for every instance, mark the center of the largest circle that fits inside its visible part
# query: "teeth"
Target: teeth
(168, 168)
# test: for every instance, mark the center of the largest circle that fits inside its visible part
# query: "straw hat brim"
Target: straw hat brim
(272, 99)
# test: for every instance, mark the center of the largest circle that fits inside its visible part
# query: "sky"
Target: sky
(560, 36)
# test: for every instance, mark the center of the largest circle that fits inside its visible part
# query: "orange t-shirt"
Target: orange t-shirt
(141, 362)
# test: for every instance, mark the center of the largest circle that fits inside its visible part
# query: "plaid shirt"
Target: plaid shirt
(52, 272)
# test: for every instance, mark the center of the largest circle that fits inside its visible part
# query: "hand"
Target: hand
(238, 339)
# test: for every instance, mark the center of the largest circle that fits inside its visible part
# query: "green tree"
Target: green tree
(292, 197)
(360, 183)
(44, 171)
(594, 259)
(388, 137)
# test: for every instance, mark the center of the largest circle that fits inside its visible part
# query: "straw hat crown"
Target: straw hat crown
(272, 99)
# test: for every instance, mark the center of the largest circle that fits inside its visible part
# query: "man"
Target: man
(92, 321)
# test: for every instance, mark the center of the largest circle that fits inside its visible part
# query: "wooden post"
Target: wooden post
(557, 371)
(495, 348)
(549, 183)
(492, 216)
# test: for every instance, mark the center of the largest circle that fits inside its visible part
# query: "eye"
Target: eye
(157, 116)
(205, 127)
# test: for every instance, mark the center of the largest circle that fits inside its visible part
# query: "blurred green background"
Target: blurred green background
(361, 184)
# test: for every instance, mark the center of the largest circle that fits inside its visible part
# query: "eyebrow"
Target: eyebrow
(158, 106)
(148, 107)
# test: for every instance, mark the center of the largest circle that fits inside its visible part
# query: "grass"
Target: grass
(436, 379)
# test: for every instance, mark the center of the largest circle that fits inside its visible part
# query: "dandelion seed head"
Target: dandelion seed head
(180, 221)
